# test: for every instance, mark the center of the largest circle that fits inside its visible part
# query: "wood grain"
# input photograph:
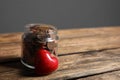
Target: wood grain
(85, 54)
(68, 33)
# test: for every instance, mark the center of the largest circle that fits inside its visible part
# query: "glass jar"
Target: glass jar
(34, 37)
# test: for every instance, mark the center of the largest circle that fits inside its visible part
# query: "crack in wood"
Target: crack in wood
(85, 76)
(88, 52)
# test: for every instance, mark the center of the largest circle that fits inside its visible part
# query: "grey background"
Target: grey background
(14, 14)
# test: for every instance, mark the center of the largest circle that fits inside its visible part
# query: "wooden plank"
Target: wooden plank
(10, 37)
(70, 41)
(72, 65)
(68, 33)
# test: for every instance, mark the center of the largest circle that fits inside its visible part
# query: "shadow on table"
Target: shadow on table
(15, 64)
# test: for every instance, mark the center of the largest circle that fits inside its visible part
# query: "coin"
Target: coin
(51, 45)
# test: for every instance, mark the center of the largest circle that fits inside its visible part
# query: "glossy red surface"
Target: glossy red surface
(45, 63)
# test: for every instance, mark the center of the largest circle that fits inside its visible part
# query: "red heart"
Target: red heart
(44, 62)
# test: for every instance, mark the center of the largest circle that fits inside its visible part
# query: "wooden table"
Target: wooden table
(84, 54)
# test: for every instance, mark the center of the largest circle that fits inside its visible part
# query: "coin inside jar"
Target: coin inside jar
(51, 45)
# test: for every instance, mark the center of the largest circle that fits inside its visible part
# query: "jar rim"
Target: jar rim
(40, 25)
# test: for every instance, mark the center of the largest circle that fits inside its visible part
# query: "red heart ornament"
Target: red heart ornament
(44, 62)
